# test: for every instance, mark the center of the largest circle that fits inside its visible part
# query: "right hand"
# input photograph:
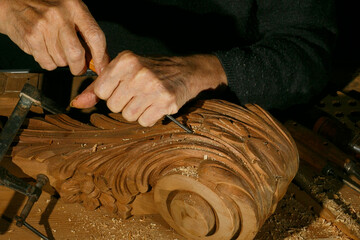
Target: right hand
(48, 30)
(144, 89)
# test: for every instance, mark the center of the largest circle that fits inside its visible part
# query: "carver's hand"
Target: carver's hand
(48, 30)
(145, 89)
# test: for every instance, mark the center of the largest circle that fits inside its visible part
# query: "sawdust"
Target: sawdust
(111, 227)
(189, 171)
(293, 221)
(336, 203)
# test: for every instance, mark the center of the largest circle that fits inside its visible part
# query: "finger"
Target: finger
(141, 89)
(105, 85)
(123, 68)
(151, 115)
(120, 97)
(40, 52)
(55, 49)
(139, 83)
(94, 38)
(135, 107)
(86, 99)
(74, 51)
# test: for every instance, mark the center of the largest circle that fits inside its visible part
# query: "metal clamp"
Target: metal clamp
(29, 96)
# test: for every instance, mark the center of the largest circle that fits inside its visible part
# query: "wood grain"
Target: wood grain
(226, 178)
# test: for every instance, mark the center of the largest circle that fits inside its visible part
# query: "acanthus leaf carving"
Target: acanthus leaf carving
(226, 178)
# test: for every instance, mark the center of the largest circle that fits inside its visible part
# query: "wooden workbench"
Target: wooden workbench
(293, 219)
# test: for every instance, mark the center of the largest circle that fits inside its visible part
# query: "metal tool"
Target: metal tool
(29, 96)
(331, 170)
(178, 123)
(326, 159)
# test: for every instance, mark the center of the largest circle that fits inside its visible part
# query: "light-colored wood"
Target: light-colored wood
(226, 178)
(321, 211)
(62, 221)
(13, 83)
(10, 87)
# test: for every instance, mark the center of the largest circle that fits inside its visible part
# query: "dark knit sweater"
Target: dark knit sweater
(275, 53)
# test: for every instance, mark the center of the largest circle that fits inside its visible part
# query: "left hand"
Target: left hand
(49, 31)
(145, 89)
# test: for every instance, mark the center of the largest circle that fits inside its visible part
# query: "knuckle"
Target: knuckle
(127, 59)
(98, 90)
(50, 67)
(130, 58)
(128, 115)
(45, 62)
(47, 65)
(149, 118)
(168, 98)
(132, 113)
(77, 69)
(146, 122)
(112, 107)
(173, 109)
(169, 105)
(61, 62)
(58, 58)
(95, 35)
(76, 54)
(145, 74)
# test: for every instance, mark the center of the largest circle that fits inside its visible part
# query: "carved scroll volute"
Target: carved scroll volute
(222, 182)
(239, 178)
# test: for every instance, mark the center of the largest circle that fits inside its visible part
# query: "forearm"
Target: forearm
(206, 73)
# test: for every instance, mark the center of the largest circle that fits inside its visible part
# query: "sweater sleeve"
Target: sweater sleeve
(290, 62)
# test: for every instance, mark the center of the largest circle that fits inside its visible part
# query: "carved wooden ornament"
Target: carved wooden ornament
(222, 182)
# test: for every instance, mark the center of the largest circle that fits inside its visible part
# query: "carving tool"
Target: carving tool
(329, 128)
(324, 158)
(29, 96)
(335, 119)
(338, 133)
(92, 68)
(178, 123)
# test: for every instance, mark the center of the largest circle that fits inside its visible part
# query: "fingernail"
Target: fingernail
(72, 101)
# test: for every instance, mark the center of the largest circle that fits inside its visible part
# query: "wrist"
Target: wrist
(208, 73)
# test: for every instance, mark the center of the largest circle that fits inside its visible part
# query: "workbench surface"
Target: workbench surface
(293, 219)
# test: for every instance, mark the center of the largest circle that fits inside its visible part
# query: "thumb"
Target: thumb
(98, 64)
(86, 99)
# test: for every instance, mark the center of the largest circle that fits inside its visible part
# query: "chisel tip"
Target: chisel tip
(179, 124)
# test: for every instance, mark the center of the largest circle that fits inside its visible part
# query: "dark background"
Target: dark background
(346, 60)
